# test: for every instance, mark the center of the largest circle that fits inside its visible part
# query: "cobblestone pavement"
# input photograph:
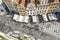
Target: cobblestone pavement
(7, 25)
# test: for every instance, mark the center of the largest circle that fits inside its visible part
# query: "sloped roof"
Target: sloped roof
(8, 0)
(9, 5)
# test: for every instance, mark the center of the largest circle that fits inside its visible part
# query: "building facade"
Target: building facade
(53, 5)
(19, 8)
(47, 6)
(42, 8)
(31, 9)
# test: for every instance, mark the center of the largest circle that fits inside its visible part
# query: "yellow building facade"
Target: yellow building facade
(19, 8)
(53, 5)
(42, 8)
(47, 6)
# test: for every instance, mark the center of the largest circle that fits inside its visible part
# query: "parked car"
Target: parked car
(26, 20)
(15, 17)
(35, 19)
(30, 19)
(40, 18)
(44, 17)
(57, 15)
(52, 17)
(20, 18)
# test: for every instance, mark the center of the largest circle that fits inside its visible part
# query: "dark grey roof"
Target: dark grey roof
(57, 9)
(9, 5)
(2, 8)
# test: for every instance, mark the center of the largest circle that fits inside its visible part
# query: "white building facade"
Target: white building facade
(31, 9)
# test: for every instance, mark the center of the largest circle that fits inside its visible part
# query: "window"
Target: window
(23, 11)
(30, 4)
(31, 10)
(40, 11)
(38, 2)
(45, 2)
(31, 13)
(53, 7)
(46, 7)
(42, 2)
(45, 10)
(27, 10)
(38, 8)
(56, 0)
(41, 7)
(28, 13)
(59, 0)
